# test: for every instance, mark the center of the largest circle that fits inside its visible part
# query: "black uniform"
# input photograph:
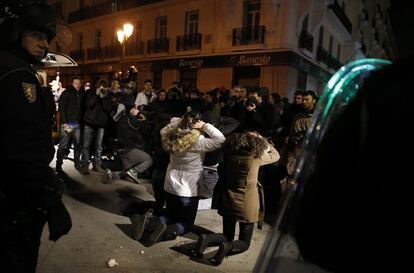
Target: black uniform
(32, 195)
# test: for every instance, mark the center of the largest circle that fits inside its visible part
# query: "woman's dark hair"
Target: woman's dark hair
(188, 120)
(245, 143)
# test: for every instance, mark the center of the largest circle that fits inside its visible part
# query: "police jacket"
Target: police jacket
(26, 147)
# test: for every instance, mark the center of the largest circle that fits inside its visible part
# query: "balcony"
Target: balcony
(249, 35)
(189, 42)
(94, 53)
(78, 55)
(88, 12)
(322, 55)
(306, 40)
(340, 14)
(158, 45)
(134, 48)
(114, 51)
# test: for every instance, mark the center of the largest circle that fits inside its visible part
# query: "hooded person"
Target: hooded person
(33, 196)
(182, 138)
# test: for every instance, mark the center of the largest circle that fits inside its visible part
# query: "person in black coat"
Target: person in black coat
(32, 195)
(98, 108)
(70, 118)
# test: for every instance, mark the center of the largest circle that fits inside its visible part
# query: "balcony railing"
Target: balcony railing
(189, 42)
(322, 55)
(114, 51)
(105, 8)
(158, 45)
(78, 55)
(134, 48)
(249, 35)
(339, 12)
(94, 53)
(306, 40)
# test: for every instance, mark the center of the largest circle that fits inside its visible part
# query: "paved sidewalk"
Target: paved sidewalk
(101, 233)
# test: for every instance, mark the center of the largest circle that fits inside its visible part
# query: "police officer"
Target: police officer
(32, 196)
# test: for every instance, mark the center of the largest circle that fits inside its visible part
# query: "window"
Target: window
(161, 27)
(330, 44)
(58, 8)
(320, 36)
(305, 23)
(302, 80)
(191, 23)
(80, 41)
(98, 35)
(157, 80)
(252, 13)
(338, 52)
(137, 32)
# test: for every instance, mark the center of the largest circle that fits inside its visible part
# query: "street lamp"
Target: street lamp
(123, 35)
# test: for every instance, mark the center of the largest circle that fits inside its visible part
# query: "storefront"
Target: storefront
(281, 71)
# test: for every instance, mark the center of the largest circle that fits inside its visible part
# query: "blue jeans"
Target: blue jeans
(181, 211)
(67, 139)
(89, 134)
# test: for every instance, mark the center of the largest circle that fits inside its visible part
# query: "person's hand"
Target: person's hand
(199, 124)
(251, 107)
(134, 111)
(255, 134)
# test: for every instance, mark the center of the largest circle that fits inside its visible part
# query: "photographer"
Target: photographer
(98, 106)
(253, 119)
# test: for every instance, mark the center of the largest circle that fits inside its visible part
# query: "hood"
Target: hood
(176, 140)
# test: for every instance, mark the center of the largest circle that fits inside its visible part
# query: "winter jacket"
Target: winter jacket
(184, 172)
(241, 197)
(97, 110)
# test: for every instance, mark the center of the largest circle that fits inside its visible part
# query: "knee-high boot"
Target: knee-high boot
(229, 248)
(206, 240)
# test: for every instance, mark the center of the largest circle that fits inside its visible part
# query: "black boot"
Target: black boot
(227, 249)
(154, 233)
(206, 240)
(59, 164)
(222, 252)
(170, 233)
(140, 223)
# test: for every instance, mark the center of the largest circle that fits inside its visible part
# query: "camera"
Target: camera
(250, 101)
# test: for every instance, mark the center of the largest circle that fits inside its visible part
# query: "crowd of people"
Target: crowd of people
(192, 145)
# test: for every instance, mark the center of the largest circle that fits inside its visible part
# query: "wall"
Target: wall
(209, 78)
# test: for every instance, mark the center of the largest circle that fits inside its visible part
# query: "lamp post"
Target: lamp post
(123, 35)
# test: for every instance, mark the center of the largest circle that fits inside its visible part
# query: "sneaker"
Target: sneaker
(98, 168)
(133, 175)
(106, 177)
(140, 223)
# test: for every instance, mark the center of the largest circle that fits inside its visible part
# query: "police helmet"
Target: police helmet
(18, 16)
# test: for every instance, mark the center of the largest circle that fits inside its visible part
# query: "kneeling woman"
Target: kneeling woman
(183, 139)
(240, 195)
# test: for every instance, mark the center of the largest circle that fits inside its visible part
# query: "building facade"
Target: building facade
(284, 45)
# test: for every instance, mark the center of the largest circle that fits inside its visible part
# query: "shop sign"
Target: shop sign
(250, 60)
(192, 63)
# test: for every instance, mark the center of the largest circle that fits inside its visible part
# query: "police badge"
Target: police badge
(29, 91)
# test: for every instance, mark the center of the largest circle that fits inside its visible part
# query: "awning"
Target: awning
(54, 59)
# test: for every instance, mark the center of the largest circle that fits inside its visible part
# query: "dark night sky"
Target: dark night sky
(402, 19)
